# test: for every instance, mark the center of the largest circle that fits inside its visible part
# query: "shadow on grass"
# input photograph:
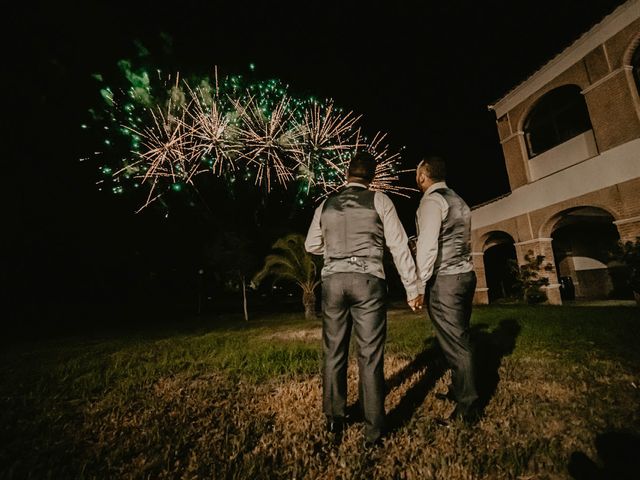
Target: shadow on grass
(433, 360)
(430, 357)
(489, 347)
(618, 453)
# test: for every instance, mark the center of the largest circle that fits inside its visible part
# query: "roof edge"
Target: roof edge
(602, 31)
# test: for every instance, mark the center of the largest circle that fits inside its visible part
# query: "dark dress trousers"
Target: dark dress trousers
(449, 296)
(350, 229)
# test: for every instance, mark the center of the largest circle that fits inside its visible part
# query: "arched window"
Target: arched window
(558, 116)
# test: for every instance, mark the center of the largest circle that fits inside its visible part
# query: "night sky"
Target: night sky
(422, 71)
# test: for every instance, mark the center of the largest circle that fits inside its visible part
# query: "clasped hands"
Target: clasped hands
(416, 303)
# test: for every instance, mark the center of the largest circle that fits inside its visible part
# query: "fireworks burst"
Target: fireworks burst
(213, 137)
(167, 154)
(386, 168)
(245, 131)
(327, 137)
(269, 140)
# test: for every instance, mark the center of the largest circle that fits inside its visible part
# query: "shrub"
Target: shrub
(528, 282)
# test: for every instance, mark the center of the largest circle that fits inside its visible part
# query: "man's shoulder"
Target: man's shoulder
(321, 205)
(380, 195)
(449, 195)
(433, 197)
(432, 203)
(382, 199)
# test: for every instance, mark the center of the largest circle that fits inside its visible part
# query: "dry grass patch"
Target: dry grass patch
(246, 403)
(309, 335)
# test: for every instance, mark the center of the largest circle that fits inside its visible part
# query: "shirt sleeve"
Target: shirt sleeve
(428, 222)
(397, 241)
(315, 242)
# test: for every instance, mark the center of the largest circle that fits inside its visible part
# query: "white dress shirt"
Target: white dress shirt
(431, 213)
(394, 235)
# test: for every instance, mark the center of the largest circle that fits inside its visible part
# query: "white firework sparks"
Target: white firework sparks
(167, 154)
(386, 177)
(212, 134)
(326, 138)
(195, 132)
(268, 141)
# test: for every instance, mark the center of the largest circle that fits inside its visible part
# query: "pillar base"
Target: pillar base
(481, 296)
(628, 228)
(553, 294)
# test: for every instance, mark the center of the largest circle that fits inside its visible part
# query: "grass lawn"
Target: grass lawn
(225, 399)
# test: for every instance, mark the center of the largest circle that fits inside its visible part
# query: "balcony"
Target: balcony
(579, 148)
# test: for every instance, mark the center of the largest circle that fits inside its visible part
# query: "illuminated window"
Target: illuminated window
(558, 116)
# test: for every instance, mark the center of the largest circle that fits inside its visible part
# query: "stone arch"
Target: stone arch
(499, 253)
(495, 237)
(583, 238)
(534, 100)
(547, 227)
(630, 50)
(555, 118)
(479, 243)
(631, 61)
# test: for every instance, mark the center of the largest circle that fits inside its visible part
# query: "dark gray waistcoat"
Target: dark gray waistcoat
(352, 232)
(454, 242)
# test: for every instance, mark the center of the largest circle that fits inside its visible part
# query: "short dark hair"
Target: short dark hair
(435, 168)
(362, 166)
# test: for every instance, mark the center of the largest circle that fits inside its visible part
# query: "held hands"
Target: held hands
(413, 246)
(416, 303)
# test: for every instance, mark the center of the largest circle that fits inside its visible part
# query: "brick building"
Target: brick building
(570, 134)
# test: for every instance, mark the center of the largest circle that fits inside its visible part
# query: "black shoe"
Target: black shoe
(469, 416)
(371, 444)
(335, 425)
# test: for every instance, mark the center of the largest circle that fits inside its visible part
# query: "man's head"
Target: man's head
(362, 168)
(429, 171)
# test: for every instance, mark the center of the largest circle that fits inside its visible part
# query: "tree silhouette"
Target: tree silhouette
(290, 261)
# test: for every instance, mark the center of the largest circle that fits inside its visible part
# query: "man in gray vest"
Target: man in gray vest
(350, 229)
(445, 269)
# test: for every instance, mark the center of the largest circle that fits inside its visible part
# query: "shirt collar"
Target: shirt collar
(436, 186)
(356, 184)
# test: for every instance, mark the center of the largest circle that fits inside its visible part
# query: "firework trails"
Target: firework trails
(165, 137)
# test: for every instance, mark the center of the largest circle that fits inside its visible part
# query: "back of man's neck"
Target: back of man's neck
(359, 181)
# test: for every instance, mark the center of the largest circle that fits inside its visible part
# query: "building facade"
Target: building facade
(570, 135)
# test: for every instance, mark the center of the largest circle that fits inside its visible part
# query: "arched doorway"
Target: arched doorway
(499, 258)
(583, 240)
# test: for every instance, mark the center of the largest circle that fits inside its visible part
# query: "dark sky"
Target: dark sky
(422, 71)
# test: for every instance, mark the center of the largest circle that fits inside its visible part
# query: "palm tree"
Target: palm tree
(290, 261)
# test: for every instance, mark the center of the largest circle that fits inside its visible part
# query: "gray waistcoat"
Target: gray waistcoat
(353, 233)
(454, 242)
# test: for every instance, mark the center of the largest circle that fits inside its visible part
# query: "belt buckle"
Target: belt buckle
(358, 262)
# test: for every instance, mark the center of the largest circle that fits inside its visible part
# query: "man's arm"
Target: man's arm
(315, 242)
(429, 220)
(397, 241)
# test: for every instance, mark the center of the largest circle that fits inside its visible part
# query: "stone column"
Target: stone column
(481, 297)
(628, 228)
(542, 246)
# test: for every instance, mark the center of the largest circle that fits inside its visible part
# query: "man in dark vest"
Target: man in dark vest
(445, 269)
(350, 229)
